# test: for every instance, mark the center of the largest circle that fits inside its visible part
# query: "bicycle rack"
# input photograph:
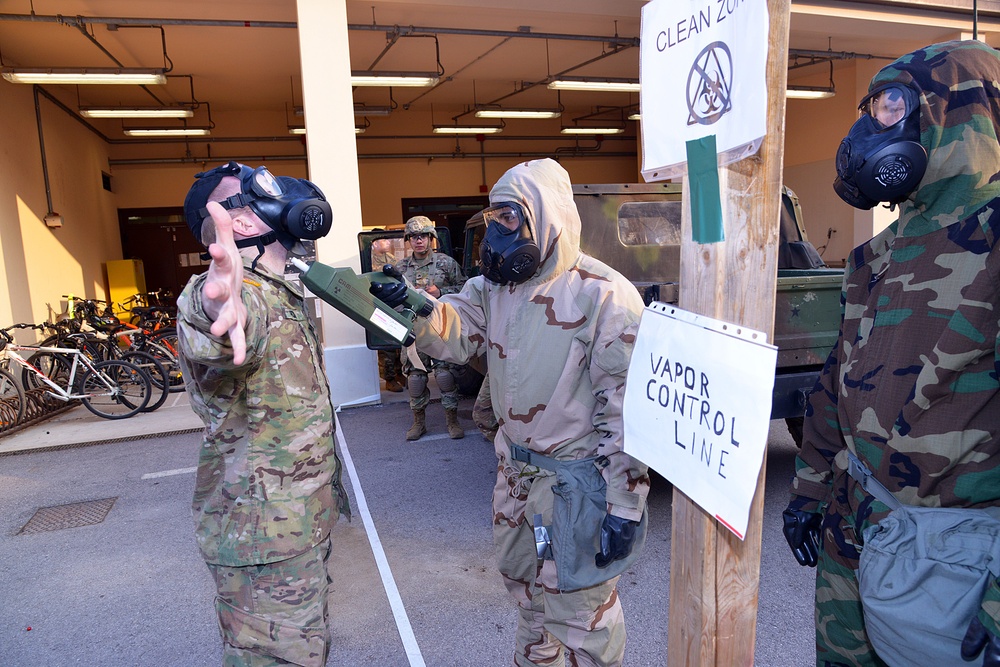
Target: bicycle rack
(38, 407)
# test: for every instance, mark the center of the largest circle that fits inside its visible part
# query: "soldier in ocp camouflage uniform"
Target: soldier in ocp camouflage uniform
(557, 328)
(268, 486)
(388, 360)
(911, 386)
(436, 273)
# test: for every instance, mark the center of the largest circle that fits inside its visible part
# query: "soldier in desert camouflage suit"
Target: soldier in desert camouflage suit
(438, 274)
(558, 347)
(268, 486)
(911, 384)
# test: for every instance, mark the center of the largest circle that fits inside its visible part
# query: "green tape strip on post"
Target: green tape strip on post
(703, 181)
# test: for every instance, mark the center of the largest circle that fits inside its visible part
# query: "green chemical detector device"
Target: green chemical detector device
(348, 292)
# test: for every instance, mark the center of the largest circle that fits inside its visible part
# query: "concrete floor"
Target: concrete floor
(414, 580)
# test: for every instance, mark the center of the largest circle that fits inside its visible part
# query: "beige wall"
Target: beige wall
(41, 264)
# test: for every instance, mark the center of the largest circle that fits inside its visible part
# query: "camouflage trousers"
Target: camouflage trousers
(416, 380)
(275, 614)
(841, 639)
(388, 364)
(583, 628)
(482, 412)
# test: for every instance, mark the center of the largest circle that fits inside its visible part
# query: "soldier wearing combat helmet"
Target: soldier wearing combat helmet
(436, 273)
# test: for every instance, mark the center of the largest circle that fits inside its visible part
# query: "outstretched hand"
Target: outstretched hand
(221, 294)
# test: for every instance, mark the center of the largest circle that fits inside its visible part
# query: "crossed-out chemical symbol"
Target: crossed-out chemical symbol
(709, 85)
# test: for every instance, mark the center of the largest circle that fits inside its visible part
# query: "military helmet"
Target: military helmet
(419, 224)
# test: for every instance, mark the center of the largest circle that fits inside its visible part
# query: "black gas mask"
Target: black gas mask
(293, 208)
(508, 252)
(881, 159)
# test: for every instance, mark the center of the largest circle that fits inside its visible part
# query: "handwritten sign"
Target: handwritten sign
(702, 71)
(697, 408)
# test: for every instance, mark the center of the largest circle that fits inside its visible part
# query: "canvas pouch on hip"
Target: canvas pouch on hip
(578, 511)
(922, 576)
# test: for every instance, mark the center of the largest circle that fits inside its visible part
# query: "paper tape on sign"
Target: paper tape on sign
(697, 407)
(702, 70)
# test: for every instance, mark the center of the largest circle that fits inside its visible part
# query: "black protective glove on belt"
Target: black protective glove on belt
(802, 534)
(978, 638)
(617, 537)
(391, 294)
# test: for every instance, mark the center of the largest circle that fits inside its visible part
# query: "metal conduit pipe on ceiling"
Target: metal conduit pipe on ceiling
(247, 159)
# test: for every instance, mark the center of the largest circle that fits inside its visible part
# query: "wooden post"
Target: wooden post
(714, 577)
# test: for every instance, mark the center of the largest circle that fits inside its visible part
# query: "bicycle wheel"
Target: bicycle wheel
(116, 389)
(166, 351)
(53, 366)
(157, 375)
(12, 399)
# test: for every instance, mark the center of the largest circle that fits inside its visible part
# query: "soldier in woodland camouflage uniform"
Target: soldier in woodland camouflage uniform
(911, 386)
(268, 486)
(437, 274)
(557, 327)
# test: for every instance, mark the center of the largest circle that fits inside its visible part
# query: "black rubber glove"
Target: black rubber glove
(978, 638)
(617, 537)
(391, 294)
(802, 534)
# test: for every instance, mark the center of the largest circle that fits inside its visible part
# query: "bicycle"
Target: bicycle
(114, 389)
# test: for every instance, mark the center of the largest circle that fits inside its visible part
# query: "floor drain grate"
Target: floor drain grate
(72, 515)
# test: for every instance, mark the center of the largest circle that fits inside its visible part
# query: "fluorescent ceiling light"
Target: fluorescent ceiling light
(136, 112)
(168, 132)
(809, 92)
(592, 130)
(296, 130)
(94, 75)
(362, 110)
(359, 130)
(467, 129)
(402, 79)
(635, 116)
(518, 113)
(601, 85)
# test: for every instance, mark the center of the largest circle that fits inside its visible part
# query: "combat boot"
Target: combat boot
(419, 427)
(455, 431)
(394, 385)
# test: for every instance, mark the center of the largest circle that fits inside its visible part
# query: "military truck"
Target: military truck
(636, 228)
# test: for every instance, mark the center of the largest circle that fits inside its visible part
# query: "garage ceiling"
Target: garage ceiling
(239, 59)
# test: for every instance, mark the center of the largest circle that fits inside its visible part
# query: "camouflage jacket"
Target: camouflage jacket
(911, 385)
(436, 269)
(557, 346)
(268, 484)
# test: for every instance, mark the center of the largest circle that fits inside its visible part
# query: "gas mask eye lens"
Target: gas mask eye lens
(887, 106)
(508, 216)
(265, 183)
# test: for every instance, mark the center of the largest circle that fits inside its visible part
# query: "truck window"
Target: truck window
(649, 223)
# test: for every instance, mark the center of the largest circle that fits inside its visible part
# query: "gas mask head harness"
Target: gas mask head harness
(508, 252)
(293, 208)
(881, 159)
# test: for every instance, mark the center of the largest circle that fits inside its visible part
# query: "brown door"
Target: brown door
(161, 239)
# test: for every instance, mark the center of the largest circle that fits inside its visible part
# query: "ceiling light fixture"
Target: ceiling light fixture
(296, 130)
(635, 116)
(401, 79)
(362, 110)
(812, 92)
(136, 112)
(606, 85)
(518, 113)
(93, 75)
(468, 129)
(592, 130)
(168, 132)
(809, 92)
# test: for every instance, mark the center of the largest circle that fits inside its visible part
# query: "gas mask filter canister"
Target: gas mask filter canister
(881, 159)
